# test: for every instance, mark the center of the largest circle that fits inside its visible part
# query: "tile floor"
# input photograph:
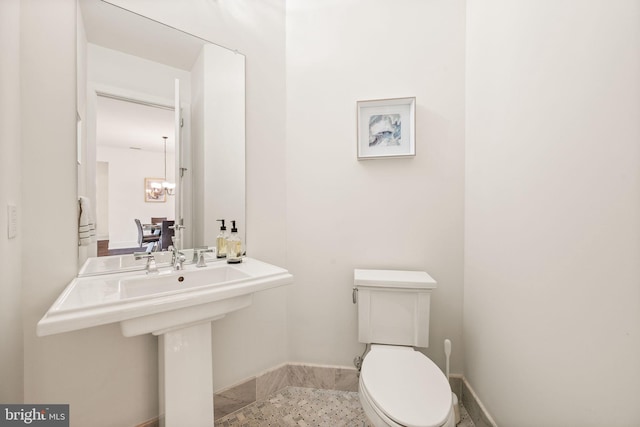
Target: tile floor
(307, 407)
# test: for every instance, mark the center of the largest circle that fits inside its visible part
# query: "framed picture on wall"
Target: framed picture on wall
(386, 128)
(153, 191)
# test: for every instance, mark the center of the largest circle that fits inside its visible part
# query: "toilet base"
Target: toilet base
(456, 407)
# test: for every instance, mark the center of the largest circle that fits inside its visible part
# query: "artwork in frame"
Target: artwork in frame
(153, 191)
(386, 128)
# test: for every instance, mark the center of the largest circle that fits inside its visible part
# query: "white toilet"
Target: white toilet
(399, 386)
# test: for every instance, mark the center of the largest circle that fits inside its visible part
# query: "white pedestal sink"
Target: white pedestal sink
(179, 307)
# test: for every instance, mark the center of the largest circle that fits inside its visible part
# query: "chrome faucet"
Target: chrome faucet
(177, 258)
(198, 254)
(151, 266)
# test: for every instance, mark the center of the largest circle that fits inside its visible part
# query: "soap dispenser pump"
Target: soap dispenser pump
(234, 246)
(221, 241)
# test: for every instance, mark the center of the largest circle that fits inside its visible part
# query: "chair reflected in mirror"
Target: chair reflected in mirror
(144, 238)
(156, 222)
(166, 235)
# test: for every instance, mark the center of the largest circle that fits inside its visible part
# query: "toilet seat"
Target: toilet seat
(406, 386)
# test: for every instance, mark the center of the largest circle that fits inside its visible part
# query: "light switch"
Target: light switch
(12, 221)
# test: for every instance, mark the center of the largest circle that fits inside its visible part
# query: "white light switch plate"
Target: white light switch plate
(12, 221)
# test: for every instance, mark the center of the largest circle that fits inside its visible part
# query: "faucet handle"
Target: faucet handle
(151, 266)
(196, 252)
(201, 252)
(142, 255)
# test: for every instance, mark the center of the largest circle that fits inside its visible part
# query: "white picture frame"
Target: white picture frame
(386, 128)
(153, 191)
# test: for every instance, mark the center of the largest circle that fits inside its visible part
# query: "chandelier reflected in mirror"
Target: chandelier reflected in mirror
(168, 187)
(158, 189)
(165, 187)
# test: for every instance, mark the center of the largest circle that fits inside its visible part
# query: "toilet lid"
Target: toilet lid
(407, 386)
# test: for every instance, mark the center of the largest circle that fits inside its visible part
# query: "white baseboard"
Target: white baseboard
(477, 411)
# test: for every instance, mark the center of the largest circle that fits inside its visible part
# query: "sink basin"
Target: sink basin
(124, 263)
(119, 263)
(177, 281)
(144, 303)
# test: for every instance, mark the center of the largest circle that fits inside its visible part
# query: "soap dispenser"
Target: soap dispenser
(221, 241)
(234, 246)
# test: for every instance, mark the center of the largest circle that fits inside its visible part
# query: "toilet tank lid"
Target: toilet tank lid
(408, 279)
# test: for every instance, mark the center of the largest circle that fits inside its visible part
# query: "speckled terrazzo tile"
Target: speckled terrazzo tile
(300, 407)
(306, 407)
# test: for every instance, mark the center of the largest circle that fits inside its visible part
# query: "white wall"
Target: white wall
(398, 214)
(11, 350)
(551, 297)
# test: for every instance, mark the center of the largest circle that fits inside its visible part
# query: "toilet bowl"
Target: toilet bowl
(401, 387)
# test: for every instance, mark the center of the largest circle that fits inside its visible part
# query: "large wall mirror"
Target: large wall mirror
(161, 130)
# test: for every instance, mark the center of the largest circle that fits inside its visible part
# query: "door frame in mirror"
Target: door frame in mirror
(182, 161)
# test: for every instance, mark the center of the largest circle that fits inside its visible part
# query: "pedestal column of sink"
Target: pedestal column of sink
(186, 380)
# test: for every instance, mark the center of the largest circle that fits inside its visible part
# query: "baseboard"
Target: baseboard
(154, 422)
(122, 245)
(478, 413)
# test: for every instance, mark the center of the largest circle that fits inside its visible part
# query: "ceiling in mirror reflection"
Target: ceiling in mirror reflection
(111, 26)
(124, 124)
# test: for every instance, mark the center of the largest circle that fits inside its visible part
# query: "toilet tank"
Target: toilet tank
(393, 306)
